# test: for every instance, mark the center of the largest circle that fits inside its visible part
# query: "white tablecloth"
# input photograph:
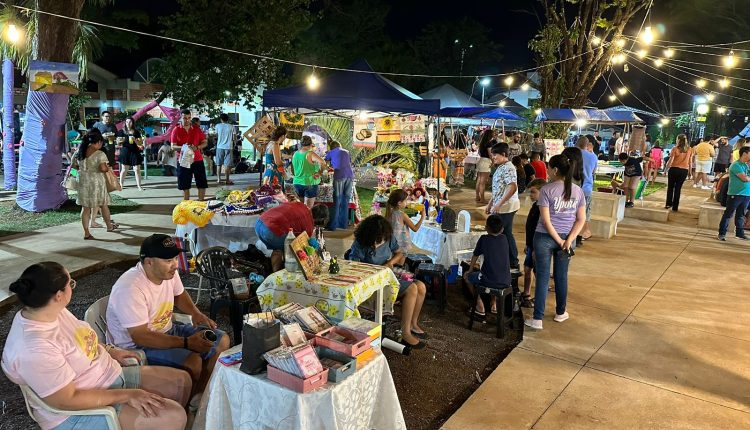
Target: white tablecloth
(365, 400)
(234, 232)
(442, 247)
(606, 169)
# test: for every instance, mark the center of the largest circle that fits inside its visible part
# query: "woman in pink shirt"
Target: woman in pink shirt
(60, 358)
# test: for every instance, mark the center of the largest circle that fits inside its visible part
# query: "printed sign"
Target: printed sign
(365, 134)
(59, 78)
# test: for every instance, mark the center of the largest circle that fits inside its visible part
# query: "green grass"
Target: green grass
(15, 220)
(603, 181)
(365, 199)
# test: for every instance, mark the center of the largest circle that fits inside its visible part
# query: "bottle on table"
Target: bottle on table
(290, 261)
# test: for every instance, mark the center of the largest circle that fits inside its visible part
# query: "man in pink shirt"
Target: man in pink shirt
(139, 314)
(186, 134)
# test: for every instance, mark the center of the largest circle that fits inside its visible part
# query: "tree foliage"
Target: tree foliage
(566, 43)
(200, 76)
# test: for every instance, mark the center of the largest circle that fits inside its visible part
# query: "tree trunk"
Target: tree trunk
(9, 153)
(40, 167)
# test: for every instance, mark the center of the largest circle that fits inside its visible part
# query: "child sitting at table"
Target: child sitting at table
(400, 222)
(374, 243)
(495, 270)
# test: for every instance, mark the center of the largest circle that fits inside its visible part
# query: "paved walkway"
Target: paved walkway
(658, 337)
(65, 243)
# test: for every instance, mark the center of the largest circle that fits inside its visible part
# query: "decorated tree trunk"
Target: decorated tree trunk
(9, 156)
(40, 167)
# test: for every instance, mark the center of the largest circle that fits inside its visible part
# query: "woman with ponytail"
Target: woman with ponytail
(677, 168)
(60, 358)
(562, 208)
(92, 185)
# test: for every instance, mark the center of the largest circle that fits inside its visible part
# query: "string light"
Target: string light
(721, 109)
(596, 40)
(700, 83)
(669, 53)
(665, 121)
(702, 109)
(620, 43)
(538, 111)
(612, 97)
(313, 83)
(508, 81)
(730, 61)
(13, 34)
(622, 91)
(647, 36)
(525, 86)
(502, 103)
(658, 62)
(642, 53)
(619, 58)
(724, 83)
(580, 122)
(710, 97)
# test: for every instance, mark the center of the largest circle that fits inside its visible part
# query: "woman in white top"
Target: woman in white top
(61, 360)
(505, 200)
(484, 164)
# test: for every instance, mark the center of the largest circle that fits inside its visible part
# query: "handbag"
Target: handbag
(70, 182)
(256, 341)
(112, 183)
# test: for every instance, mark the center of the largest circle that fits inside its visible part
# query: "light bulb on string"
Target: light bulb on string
(312, 81)
(668, 53)
(724, 83)
(612, 97)
(525, 86)
(508, 81)
(700, 83)
(710, 97)
(658, 62)
(702, 109)
(730, 60)
(596, 40)
(665, 121)
(642, 54)
(620, 43)
(538, 111)
(721, 109)
(622, 91)
(647, 36)
(13, 34)
(502, 103)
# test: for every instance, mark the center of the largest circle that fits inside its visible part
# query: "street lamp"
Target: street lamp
(484, 82)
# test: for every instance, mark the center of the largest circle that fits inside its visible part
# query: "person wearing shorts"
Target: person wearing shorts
(704, 154)
(631, 177)
(187, 134)
(140, 310)
(224, 142)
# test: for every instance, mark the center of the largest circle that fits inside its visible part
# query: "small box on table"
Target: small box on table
(365, 357)
(343, 340)
(370, 328)
(340, 366)
(295, 383)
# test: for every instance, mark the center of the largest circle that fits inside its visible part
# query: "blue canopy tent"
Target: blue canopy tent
(744, 133)
(480, 113)
(351, 91)
(590, 116)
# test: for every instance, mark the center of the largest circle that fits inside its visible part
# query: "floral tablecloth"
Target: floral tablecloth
(365, 400)
(335, 295)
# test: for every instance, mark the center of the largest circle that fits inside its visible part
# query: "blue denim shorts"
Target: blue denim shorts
(130, 378)
(306, 191)
(176, 357)
(529, 260)
(272, 241)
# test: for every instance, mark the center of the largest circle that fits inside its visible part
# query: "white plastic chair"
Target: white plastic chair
(96, 316)
(29, 397)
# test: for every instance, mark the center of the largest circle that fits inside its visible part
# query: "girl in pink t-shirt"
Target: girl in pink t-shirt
(61, 360)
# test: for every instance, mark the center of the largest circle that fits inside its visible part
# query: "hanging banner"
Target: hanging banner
(58, 78)
(294, 123)
(553, 147)
(389, 129)
(365, 133)
(413, 128)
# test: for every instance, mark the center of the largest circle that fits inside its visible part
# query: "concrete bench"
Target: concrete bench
(709, 214)
(601, 227)
(648, 214)
(608, 205)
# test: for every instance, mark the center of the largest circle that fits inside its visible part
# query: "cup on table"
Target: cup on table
(209, 335)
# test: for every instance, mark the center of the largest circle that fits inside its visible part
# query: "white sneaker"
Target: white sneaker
(561, 318)
(535, 324)
(706, 187)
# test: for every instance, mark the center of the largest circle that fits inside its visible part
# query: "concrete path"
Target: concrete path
(65, 243)
(658, 337)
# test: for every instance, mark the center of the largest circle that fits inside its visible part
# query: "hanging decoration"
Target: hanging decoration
(294, 123)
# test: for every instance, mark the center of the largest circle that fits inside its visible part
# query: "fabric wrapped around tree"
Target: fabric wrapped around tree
(40, 171)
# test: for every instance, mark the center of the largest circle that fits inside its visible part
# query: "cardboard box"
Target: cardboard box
(297, 384)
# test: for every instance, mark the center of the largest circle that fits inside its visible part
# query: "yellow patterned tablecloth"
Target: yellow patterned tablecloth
(335, 295)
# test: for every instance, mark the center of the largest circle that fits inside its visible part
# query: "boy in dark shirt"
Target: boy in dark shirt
(631, 176)
(495, 271)
(527, 169)
(531, 222)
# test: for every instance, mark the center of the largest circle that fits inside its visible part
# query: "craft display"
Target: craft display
(260, 132)
(228, 202)
(365, 133)
(294, 123)
(306, 255)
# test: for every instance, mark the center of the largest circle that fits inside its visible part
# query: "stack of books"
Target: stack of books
(300, 361)
(370, 328)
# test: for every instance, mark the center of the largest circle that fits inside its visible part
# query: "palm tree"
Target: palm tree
(57, 39)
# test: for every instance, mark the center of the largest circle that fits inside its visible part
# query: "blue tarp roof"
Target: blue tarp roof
(744, 133)
(353, 91)
(590, 115)
(486, 112)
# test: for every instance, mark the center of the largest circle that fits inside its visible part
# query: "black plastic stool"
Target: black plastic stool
(507, 304)
(414, 260)
(435, 271)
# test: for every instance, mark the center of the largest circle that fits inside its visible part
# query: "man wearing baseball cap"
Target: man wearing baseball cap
(139, 314)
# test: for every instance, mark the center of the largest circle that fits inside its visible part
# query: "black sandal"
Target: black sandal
(526, 301)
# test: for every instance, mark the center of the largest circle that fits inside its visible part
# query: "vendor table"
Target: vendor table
(606, 169)
(441, 246)
(365, 400)
(234, 232)
(338, 295)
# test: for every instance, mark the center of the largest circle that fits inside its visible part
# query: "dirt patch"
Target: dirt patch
(431, 383)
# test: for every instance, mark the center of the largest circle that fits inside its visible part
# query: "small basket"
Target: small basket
(362, 341)
(295, 383)
(349, 364)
